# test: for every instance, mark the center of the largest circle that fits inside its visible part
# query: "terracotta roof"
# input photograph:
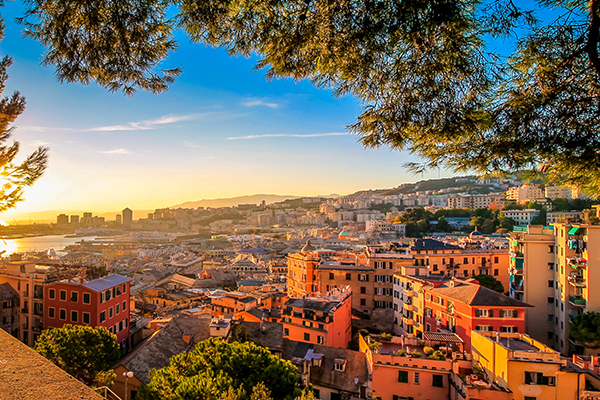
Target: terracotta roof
(476, 295)
(24, 375)
(442, 337)
(431, 244)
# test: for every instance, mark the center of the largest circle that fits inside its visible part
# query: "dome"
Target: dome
(344, 234)
(475, 233)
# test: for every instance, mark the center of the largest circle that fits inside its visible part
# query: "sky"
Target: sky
(222, 130)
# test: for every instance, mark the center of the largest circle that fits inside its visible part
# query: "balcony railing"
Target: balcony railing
(577, 281)
(577, 300)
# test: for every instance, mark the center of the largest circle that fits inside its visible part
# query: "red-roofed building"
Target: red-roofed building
(457, 306)
(100, 302)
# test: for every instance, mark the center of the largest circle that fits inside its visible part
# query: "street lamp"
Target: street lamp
(127, 375)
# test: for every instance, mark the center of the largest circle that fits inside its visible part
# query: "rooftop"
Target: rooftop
(107, 282)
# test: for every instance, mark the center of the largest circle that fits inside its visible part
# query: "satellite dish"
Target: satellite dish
(356, 381)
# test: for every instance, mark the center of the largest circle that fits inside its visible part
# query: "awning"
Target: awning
(573, 230)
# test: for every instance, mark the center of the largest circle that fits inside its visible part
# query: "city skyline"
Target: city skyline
(222, 130)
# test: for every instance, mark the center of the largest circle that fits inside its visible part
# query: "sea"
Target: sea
(39, 243)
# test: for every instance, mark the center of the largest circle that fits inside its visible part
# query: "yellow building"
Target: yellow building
(528, 368)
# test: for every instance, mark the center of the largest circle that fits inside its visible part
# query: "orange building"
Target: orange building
(447, 259)
(320, 320)
(234, 303)
(456, 306)
(301, 277)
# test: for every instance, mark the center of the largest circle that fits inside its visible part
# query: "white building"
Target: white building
(521, 217)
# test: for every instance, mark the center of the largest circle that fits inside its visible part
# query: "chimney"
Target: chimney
(186, 338)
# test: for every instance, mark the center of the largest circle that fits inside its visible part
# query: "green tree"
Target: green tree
(585, 329)
(81, 351)
(15, 176)
(427, 76)
(490, 282)
(214, 366)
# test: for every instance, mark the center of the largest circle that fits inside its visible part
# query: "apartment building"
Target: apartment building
(28, 280)
(532, 280)
(99, 302)
(322, 320)
(455, 306)
(562, 192)
(526, 367)
(9, 309)
(301, 276)
(473, 201)
(447, 259)
(521, 217)
(524, 193)
(234, 303)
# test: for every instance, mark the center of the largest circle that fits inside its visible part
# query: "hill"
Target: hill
(234, 201)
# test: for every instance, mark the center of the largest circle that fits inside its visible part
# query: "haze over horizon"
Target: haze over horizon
(222, 130)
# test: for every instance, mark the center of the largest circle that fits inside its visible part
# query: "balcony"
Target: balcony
(577, 281)
(517, 263)
(37, 328)
(409, 292)
(517, 287)
(25, 311)
(408, 321)
(577, 262)
(578, 301)
(408, 307)
(39, 313)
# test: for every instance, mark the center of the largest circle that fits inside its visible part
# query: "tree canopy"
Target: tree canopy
(81, 351)
(214, 367)
(585, 328)
(490, 282)
(15, 176)
(429, 74)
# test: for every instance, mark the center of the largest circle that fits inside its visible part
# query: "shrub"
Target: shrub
(415, 354)
(428, 350)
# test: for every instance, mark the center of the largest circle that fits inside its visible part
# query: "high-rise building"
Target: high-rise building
(118, 219)
(531, 269)
(127, 217)
(62, 219)
(75, 220)
(87, 219)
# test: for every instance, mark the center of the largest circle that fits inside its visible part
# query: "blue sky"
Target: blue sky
(222, 130)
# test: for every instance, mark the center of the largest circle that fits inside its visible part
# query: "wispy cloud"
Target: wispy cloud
(150, 123)
(310, 135)
(116, 151)
(36, 128)
(194, 145)
(254, 103)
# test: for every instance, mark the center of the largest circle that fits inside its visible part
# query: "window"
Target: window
(538, 378)
(496, 272)
(496, 260)
(363, 290)
(550, 335)
(74, 297)
(465, 260)
(86, 317)
(363, 277)
(50, 312)
(511, 329)
(530, 398)
(286, 332)
(348, 277)
(550, 301)
(550, 283)
(118, 290)
(51, 294)
(117, 308)
(417, 378)
(102, 316)
(339, 364)
(63, 295)
(484, 313)
(86, 298)
(379, 278)
(437, 380)
(62, 314)
(320, 339)
(403, 376)
(124, 288)
(124, 306)
(110, 312)
(331, 276)
(550, 318)
(74, 316)
(307, 336)
(363, 302)
(509, 313)
(102, 297)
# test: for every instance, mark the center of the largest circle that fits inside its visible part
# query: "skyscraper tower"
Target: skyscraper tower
(127, 217)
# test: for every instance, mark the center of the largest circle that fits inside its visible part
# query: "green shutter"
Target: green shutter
(491, 313)
(527, 378)
(501, 313)
(515, 314)
(403, 376)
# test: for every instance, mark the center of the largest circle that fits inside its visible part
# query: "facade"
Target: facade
(9, 309)
(473, 201)
(455, 306)
(521, 217)
(301, 278)
(556, 192)
(100, 302)
(320, 320)
(524, 193)
(127, 217)
(529, 369)
(28, 280)
(234, 303)
(532, 280)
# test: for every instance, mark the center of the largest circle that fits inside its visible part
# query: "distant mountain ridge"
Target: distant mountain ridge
(234, 201)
